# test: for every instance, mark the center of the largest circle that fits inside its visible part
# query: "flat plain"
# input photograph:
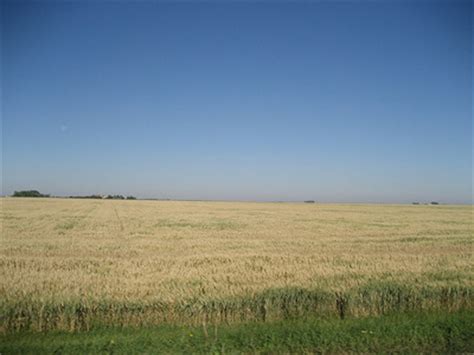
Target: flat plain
(72, 264)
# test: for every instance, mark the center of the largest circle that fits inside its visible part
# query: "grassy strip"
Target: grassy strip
(405, 333)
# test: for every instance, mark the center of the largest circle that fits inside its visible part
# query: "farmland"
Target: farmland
(79, 265)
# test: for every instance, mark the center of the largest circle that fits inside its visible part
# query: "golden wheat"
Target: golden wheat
(70, 264)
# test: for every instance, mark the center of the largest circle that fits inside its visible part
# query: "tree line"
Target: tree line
(36, 193)
(29, 193)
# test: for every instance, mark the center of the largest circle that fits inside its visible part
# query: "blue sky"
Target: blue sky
(332, 101)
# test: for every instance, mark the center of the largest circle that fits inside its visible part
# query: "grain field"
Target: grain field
(72, 264)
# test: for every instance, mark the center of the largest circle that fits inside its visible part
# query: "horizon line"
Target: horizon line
(308, 201)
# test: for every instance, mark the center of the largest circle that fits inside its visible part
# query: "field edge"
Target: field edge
(408, 333)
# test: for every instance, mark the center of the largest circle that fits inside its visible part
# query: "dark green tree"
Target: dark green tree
(29, 193)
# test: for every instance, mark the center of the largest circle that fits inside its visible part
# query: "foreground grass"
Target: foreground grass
(404, 333)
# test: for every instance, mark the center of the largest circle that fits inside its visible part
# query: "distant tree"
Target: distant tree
(115, 197)
(434, 203)
(131, 198)
(29, 193)
(309, 201)
(415, 203)
(89, 196)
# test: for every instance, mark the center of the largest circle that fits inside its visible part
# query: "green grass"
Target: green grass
(402, 333)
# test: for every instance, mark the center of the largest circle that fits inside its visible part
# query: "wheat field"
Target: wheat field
(71, 264)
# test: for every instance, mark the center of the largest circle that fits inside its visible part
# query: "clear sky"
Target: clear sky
(357, 101)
